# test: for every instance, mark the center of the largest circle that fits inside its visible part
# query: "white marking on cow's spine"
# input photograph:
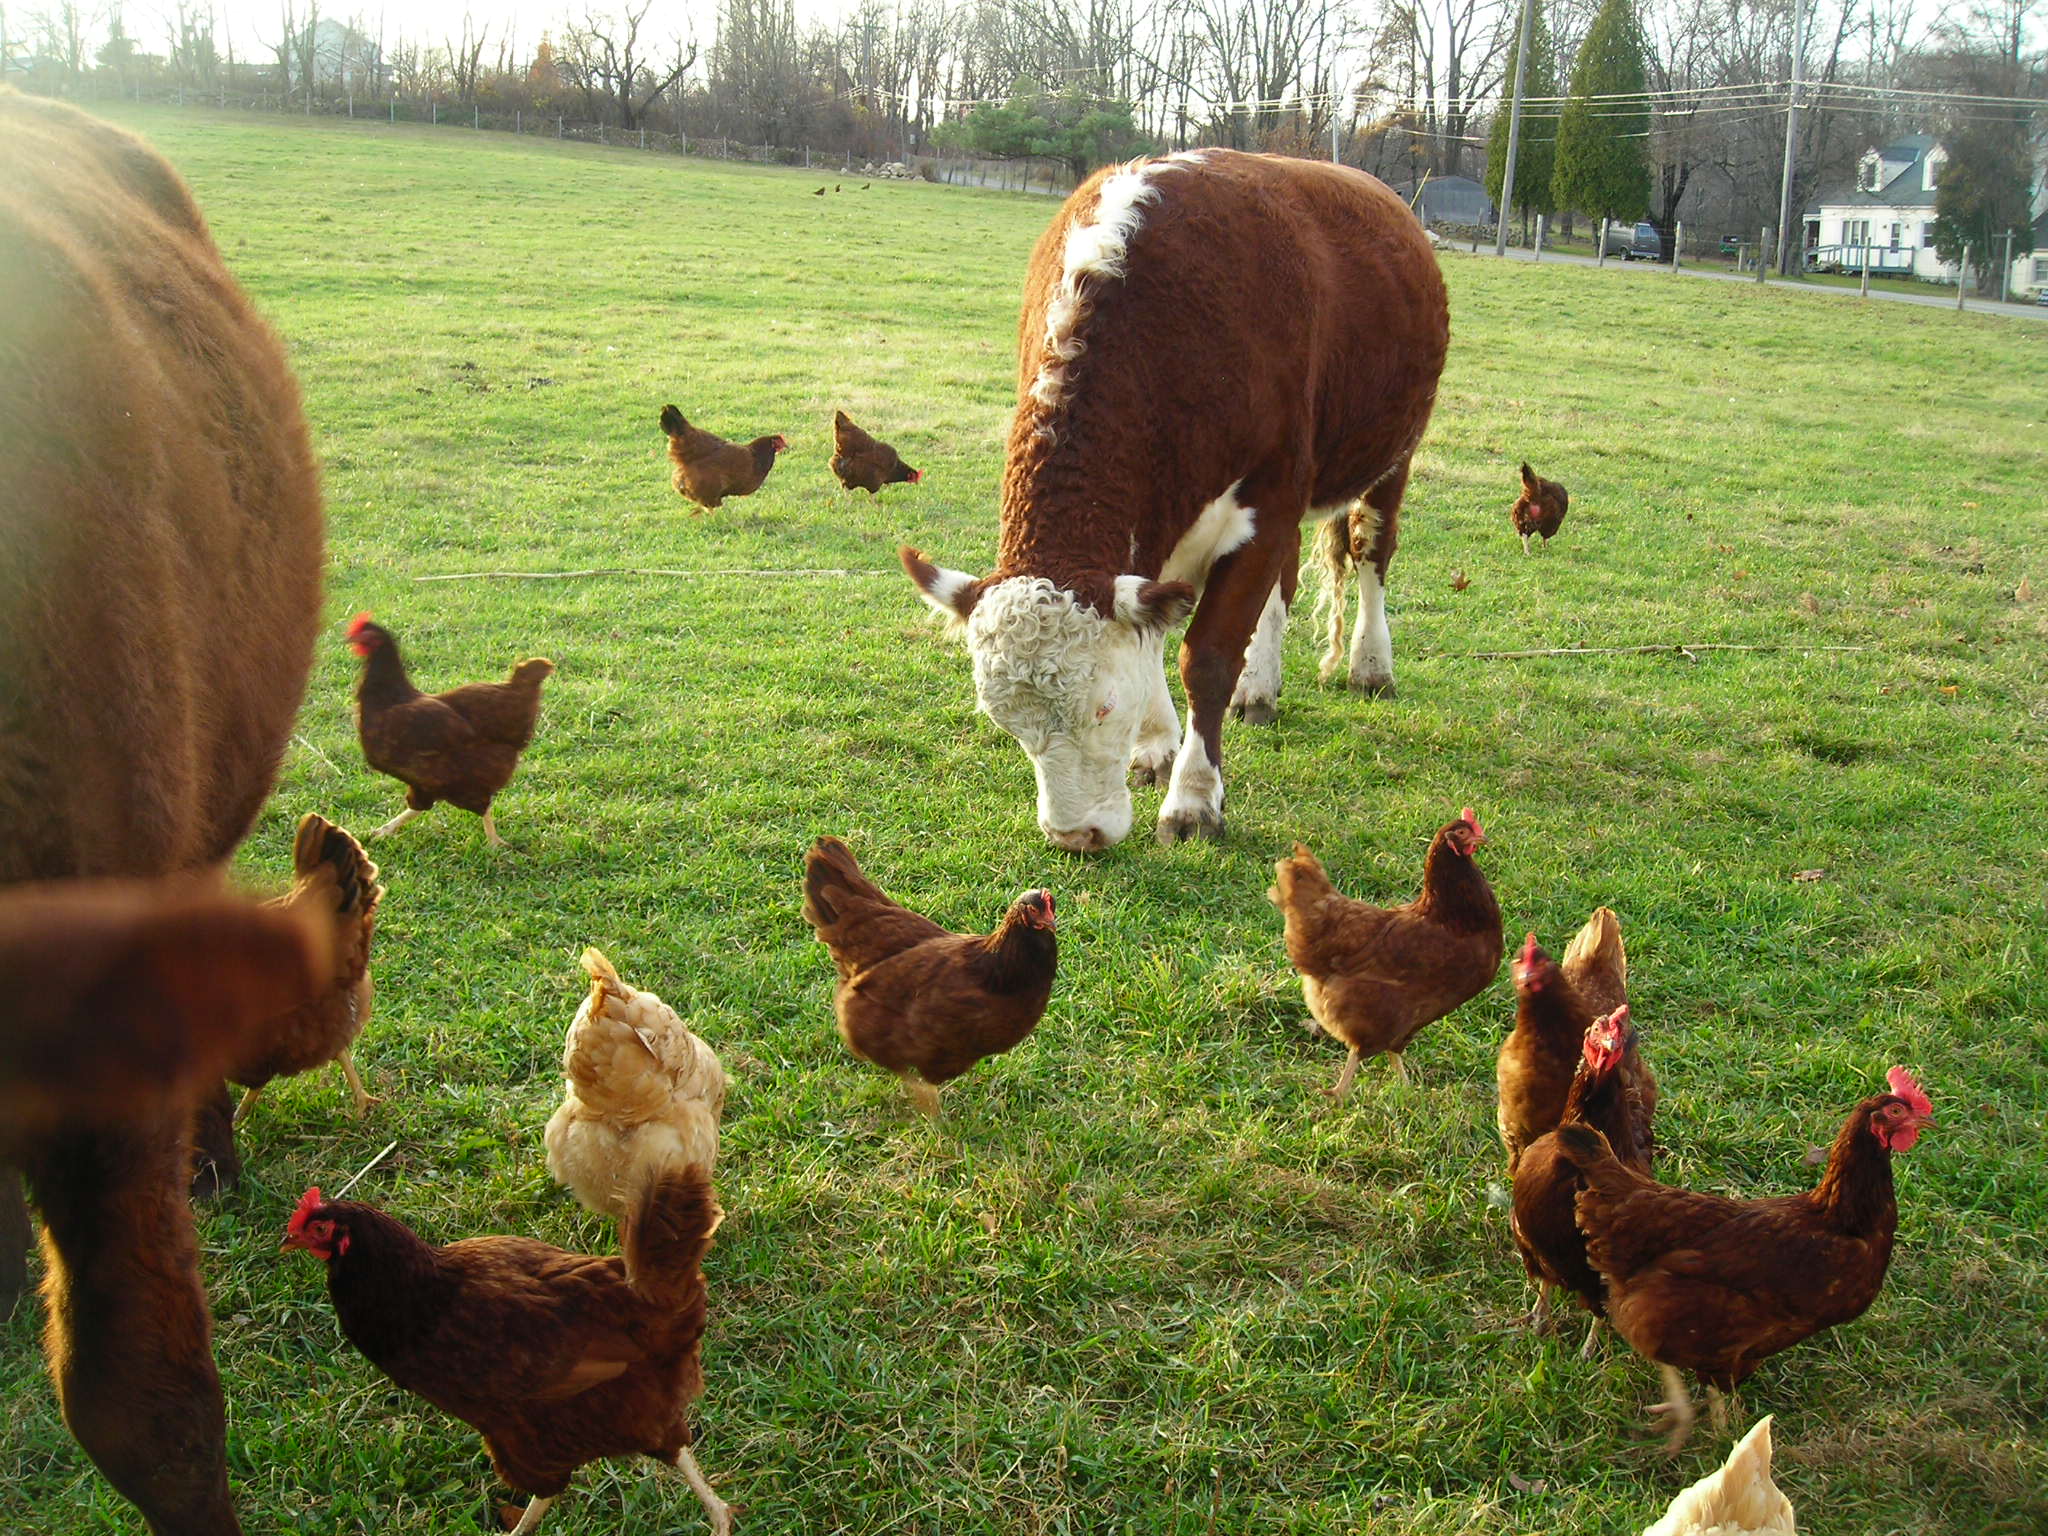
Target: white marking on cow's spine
(1372, 645)
(1222, 526)
(1096, 248)
(1196, 793)
(1259, 683)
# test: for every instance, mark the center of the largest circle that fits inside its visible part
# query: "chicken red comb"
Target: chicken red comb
(1531, 949)
(357, 624)
(1907, 1087)
(1471, 816)
(309, 1202)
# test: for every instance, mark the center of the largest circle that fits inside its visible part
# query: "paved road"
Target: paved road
(2035, 312)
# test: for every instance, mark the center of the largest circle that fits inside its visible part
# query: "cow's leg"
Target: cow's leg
(1211, 656)
(129, 1335)
(1159, 732)
(1375, 528)
(1257, 698)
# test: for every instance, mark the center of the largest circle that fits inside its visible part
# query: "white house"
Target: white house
(1886, 215)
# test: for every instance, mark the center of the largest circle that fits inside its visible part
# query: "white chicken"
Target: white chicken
(643, 1094)
(1736, 1499)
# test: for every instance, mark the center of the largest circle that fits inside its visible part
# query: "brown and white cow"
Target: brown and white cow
(1214, 346)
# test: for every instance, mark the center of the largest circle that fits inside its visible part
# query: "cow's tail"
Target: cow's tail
(1333, 549)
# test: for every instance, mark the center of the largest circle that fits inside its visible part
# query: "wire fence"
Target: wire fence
(1037, 174)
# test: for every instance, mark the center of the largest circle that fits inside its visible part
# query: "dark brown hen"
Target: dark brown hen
(1539, 509)
(708, 468)
(865, 463)
(558, 1359)
(914, 998)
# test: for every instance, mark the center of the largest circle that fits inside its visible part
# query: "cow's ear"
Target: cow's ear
(1153, 605)
(952, 593)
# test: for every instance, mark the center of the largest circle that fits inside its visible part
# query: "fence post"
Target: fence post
(433, 112)
(1863, 288)
(643, 138)
(1542, 229)
(1963, 279)
(519, 120)
(1677, 241)
(558, 125)
(394, 109)
(600, 135)
(1600, 256)
(1763, 245)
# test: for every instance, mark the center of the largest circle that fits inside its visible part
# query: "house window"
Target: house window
(1856, 232)
(1867, 172)
(1927, 236)
(1895, 236)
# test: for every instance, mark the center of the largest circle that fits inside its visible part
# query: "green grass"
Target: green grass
(1140, 1266)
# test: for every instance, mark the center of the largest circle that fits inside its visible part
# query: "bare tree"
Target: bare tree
(605, 56)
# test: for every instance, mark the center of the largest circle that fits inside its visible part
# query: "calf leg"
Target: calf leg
(1211, 657)
(1375, 527)
(129, 1337)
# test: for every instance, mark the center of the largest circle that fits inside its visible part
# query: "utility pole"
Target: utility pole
(1786, 245)
(2005, 269)
(1507, 181)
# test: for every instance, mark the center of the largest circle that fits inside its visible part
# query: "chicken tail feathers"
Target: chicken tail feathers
(320, 843)
(834, 884)
(668, 1231)
(1598, 944)
(1583, 1147)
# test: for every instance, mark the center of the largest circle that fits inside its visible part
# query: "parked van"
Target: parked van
(1646, 244)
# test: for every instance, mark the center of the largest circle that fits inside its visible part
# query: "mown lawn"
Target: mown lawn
(1140, 1278)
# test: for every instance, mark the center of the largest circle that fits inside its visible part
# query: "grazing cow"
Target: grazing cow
(160, 549)
(1213, 346)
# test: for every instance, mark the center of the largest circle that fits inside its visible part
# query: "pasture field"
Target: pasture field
(1140, 1278)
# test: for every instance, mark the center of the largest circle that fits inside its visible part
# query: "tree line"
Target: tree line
(1664, 109)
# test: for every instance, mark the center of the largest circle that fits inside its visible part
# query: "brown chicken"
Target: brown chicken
(1374, 976)
(1606, 1094)
(1553, 1006)
(334, 882)
(708, 468)
(915, 999)
(1539, 509)
(125, 995)
(864, 463)
(557, 1359)
(460, 746)
(1716, 1286)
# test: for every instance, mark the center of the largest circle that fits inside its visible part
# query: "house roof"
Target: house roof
(1904, 188)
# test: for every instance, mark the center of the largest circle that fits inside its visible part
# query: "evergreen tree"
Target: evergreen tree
(1603, 137)
(1536, 154)
(1984, 191)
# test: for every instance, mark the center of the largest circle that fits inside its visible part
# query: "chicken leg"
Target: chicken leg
(716, 1510)
(923, 1096)
(347, 1062)
(491, 831)
(1347, 1077)
(1677, 1407)
(1592, 1333)
(396, 822)
(535, 1508)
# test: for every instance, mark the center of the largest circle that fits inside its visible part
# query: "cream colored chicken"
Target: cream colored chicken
(643, 1094)
(1737, 1499)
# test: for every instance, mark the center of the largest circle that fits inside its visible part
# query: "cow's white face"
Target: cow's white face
(1070, 684)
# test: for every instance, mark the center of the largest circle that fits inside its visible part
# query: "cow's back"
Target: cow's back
(160, 529)
(1257, 305)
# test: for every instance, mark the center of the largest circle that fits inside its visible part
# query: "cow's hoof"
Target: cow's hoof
(1182, 825)
(1373, 687)
(1152, 773)
(1255, 711)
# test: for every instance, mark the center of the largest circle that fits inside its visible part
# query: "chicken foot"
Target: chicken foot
(716, 1510)
(1592, 1333)
(1677, 1407)
(491, 830)
(364, 1098)
(1539, 1315)
(535, 1508)
(1347, 1077)
(395, 823)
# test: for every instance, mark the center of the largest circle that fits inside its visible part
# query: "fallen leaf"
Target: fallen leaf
(2024, 592)
(1815, 1156)
(1808, 876)
(1521, 1485)
(1741, 573)
(1460, 581)
(988, 1220)
(1948, 688)
(1809, 602)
